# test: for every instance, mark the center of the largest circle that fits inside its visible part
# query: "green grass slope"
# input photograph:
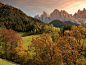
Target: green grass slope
(6, 62)
(27, 39)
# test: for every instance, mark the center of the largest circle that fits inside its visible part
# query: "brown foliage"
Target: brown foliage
(66, 50)
(10, 40)
(13, 46)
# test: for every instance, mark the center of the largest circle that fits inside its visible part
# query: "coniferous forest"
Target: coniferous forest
(55, 46)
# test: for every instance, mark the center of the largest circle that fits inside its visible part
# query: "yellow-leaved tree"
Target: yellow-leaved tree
(12, 46)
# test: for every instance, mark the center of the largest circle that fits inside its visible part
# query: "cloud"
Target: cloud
(75, 6)
(33, 7)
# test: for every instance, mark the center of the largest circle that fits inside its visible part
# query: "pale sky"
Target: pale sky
(34, 7)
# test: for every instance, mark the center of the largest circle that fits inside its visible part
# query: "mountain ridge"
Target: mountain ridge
(79, 17)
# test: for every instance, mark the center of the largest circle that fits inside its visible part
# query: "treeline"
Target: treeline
(44, 29)
(68, 49)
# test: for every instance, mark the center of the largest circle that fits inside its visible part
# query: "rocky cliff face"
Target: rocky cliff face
(80, 14)
(43, 17)
(60, 15)
(79, 17)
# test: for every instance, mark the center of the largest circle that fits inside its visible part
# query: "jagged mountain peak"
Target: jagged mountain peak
(44, 12)
(84, 9)
(56, 10)
(80, 11)
(79, 17)
(63, 11)
(81, 14)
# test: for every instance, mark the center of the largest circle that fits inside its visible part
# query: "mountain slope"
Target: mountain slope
(15, 19)
(58, 23)
(71, 23)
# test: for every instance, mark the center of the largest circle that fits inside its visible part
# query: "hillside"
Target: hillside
(71, 23)
(14, 18)
(58, 23)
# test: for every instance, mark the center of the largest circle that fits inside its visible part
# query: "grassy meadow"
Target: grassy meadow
(6, 62)
(27, 39)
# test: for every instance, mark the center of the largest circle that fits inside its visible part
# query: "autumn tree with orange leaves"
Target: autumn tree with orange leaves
(12, 46)
(65, 51)
(44, 49)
